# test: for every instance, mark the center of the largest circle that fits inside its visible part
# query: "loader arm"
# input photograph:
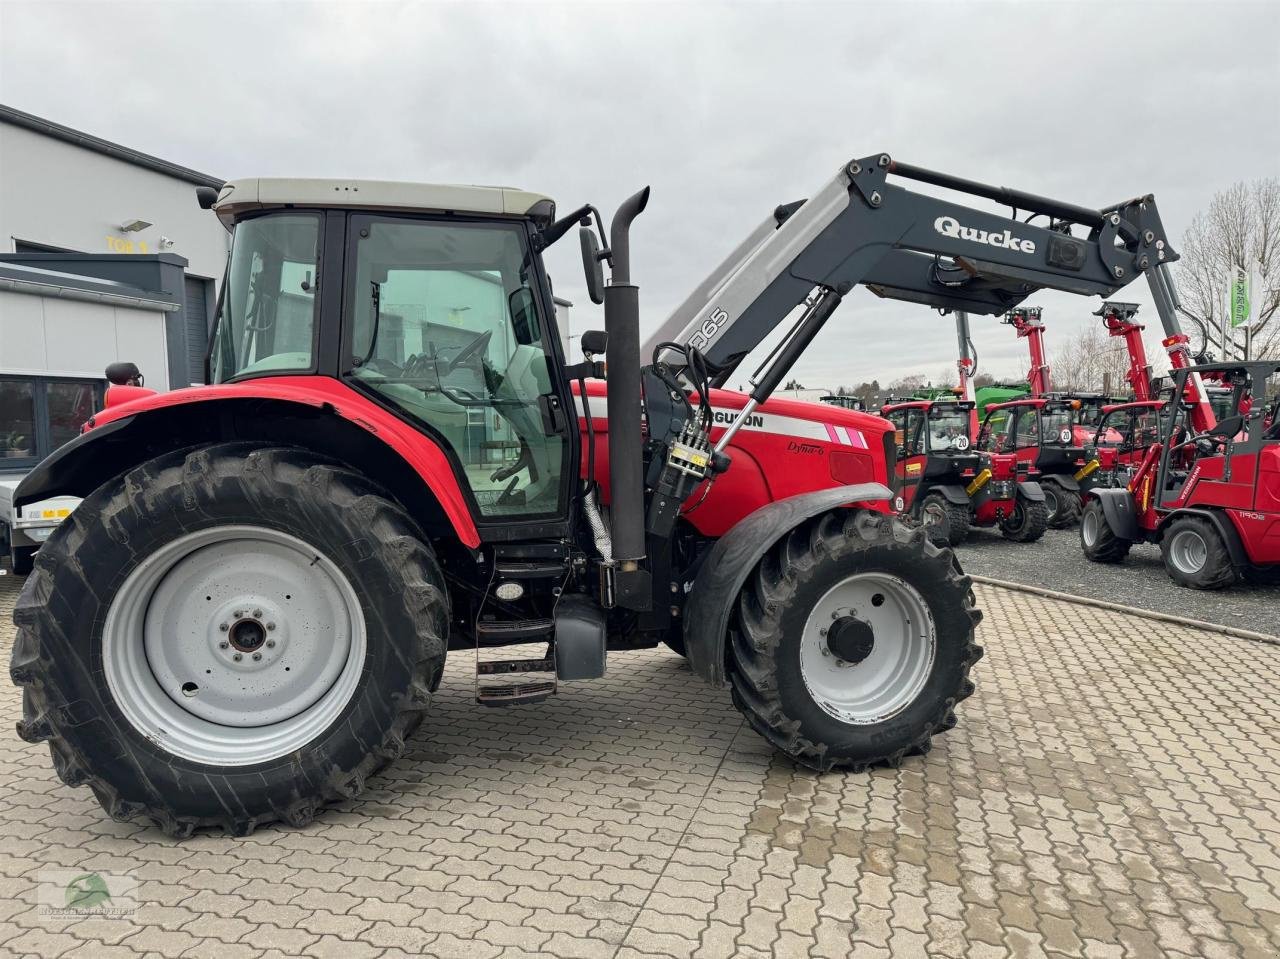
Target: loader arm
(863, 228)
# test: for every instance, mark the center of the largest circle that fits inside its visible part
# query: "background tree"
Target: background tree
(793, 385)
(1090, 361)
(1239, 231)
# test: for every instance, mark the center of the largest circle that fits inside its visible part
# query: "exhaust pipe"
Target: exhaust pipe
(622, 323)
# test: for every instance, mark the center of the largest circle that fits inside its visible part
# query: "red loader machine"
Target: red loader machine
(248, 615)
(946, 484)
(1207, 490)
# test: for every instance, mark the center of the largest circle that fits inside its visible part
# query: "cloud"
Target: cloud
(725, 110)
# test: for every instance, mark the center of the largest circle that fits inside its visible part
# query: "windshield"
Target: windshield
(948, 429)
(267, 320)
(1055, 426)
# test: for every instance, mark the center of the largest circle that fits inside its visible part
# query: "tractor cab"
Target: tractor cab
(1120, 439)
(1236, 461)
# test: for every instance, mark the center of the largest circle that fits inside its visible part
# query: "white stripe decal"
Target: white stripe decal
(759, 422)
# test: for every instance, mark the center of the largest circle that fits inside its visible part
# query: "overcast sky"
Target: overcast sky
(726, 110)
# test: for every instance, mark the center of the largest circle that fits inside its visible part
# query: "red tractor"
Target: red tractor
(1207, 490)
(948, 485)
(249, 614)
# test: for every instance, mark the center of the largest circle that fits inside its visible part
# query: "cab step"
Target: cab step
(502, 666)
(530, 569)
(500, 632)
(508, 695)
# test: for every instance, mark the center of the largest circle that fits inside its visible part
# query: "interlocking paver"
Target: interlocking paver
(1110, 791)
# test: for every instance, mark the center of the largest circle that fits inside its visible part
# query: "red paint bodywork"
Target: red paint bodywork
(767, 465)
(422, 455)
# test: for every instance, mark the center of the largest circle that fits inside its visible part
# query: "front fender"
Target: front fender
(952, 494)
(736, 554)
(1120, 512)
(1030, 490)
(1065, 480)
(317, 413)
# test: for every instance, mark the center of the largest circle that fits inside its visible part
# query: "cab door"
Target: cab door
(910, 435)
(447, 324)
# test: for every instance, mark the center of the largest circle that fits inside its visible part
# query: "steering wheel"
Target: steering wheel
(473, 348)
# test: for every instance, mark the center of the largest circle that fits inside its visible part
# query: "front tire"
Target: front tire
(896, 619)
(228, 637)
(1194, 554)
(1098, 541)
(1063, 504)
(1028, 522)
(945, 523)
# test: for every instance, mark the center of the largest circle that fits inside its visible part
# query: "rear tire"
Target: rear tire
(1194, 554)
(1098, 540)
(907, 666)
(1063, 504)
(171, 544)
(1029, 521)
(945, 523)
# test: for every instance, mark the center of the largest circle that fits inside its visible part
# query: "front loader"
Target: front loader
(250, 612)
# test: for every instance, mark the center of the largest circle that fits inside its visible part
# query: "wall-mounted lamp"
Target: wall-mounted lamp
(133, 226)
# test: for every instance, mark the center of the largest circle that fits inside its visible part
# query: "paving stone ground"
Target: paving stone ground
(1111, 790)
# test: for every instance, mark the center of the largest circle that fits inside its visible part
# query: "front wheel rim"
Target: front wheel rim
(1089, 527)
(1188, 551)
(892, 671)
(1051, 501)
(234, 645)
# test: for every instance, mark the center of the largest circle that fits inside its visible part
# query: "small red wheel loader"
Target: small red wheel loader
(249, 614)
(1206, 489)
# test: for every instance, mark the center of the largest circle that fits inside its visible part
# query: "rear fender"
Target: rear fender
(736, 554)
(1030, 490)
(1120, 512)
(342, 425)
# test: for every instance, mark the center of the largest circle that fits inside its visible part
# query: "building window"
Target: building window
(39, 414)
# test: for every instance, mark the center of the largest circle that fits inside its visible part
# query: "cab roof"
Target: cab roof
(238, 197)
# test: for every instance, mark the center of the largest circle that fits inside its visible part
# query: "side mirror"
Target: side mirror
(594, 342)
(124, 374)
(206, 196)
(591, 265)
(524, 316)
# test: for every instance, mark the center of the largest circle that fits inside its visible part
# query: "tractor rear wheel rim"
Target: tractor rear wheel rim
(891, 674)
(1188, 551)
(234, 645)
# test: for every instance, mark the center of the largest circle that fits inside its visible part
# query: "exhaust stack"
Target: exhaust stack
(622, 322)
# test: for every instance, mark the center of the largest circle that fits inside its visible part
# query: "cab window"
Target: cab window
(445, 326)
(267, 321)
